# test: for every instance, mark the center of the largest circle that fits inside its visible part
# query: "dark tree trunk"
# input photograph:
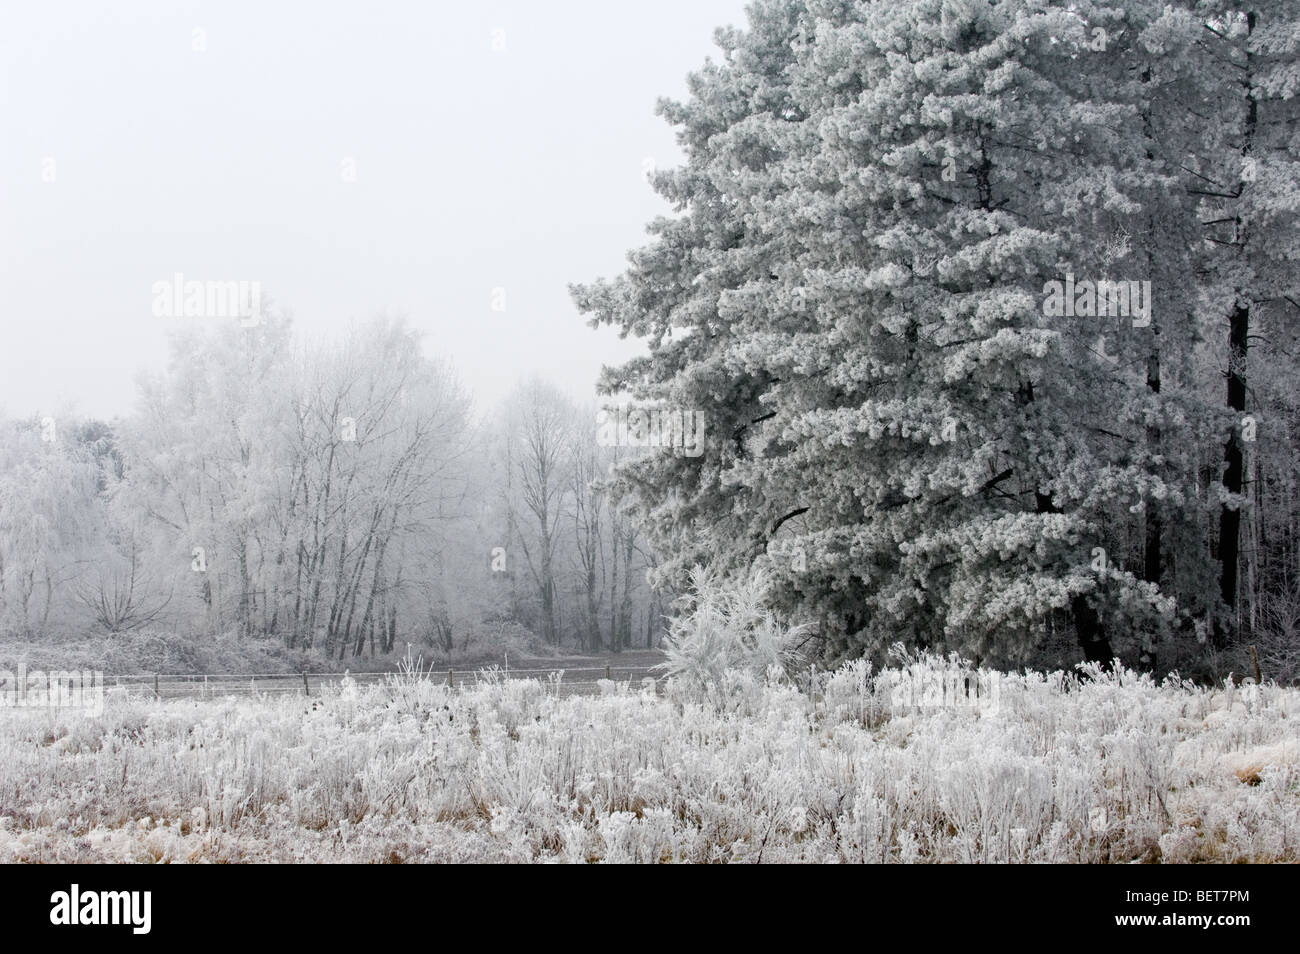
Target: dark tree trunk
(1088, 627)
(1233, 453)
(1234, 471)
(1090, 632)
(1153, 564)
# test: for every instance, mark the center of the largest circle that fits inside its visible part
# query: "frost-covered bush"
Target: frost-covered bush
(1278, 636)
(1112, 768)
(727, 627)
(850, 693)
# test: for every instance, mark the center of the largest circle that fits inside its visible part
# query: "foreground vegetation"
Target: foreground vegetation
(850, 766)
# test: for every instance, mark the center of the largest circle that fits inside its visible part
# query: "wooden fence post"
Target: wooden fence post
(306, 686)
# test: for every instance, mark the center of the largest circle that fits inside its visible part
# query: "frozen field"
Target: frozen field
(1116, 769)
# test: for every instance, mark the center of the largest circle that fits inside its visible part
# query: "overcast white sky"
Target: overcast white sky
(475, 169)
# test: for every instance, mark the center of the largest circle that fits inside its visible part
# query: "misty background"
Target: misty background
(404, 448)
(398, 158)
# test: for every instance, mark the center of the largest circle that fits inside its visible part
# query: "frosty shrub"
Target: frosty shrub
(728, 628)
(413, 691)
(1278, 635)
(922, 680)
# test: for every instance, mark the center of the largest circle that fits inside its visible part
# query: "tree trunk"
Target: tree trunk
(1233, 473)
(1233, 452)
(1090, 632)
(1088, 627)
(1153, 564)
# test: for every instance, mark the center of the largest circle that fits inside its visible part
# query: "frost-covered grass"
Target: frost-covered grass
(1114, 769)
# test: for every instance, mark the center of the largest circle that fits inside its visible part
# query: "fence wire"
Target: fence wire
(177, 685)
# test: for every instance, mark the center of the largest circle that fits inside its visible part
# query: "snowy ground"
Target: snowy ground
(1113, 770)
